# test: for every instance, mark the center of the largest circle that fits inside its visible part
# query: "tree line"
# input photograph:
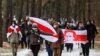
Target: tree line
(77, 9)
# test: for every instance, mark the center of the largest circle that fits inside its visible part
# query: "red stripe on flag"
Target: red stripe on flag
(45, 29)
(81, 38)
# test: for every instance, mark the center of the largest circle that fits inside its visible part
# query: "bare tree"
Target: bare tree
(21, 10)
(1, 40)
(33, 8)
(27, 7)
(38, 8)
(5, 18)
(58, 4)
(10, 12)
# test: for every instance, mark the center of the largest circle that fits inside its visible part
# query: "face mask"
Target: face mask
(55, 26)
(88, 23)
(29, 23)
(34, 28)
(92, 22)
(80, 25)
(13, 24)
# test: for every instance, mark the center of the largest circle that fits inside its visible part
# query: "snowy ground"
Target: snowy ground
(75, 52)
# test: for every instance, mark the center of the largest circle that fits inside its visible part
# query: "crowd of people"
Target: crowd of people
(31, 36)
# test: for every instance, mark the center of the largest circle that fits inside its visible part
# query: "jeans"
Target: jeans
(49, 50)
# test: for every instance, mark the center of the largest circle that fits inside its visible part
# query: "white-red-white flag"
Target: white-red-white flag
(76, 36)
(45, 27)
(15, 29)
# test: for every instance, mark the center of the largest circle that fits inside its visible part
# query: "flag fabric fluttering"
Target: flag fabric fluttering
(77, 36)
(45, 27)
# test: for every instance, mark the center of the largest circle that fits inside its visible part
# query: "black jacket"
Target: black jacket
(91, 31)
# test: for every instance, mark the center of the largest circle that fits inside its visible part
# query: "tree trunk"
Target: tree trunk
(33, 8)
(5, 14)
(0, 11)
(75, 10)
(84, 17)
(27, 8)
(89, 9)
(39, 5)
(10, 12)
(21, 11)
(1, 40)
(57, 9)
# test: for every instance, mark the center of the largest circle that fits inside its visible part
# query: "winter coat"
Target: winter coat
(91, 31)
(60, 41)
(35, 38)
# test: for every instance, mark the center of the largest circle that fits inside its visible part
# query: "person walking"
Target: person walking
(70, 38)
(24, 31)
(14, 36)
(94, 34)
(91, 31)
(58, 46)
(85, 45)
(34, 40)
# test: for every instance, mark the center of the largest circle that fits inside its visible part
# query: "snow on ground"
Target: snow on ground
(75, 52)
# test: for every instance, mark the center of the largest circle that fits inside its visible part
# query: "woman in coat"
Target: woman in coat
(58, 46)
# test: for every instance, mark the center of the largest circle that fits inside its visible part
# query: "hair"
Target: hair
(14, 22)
